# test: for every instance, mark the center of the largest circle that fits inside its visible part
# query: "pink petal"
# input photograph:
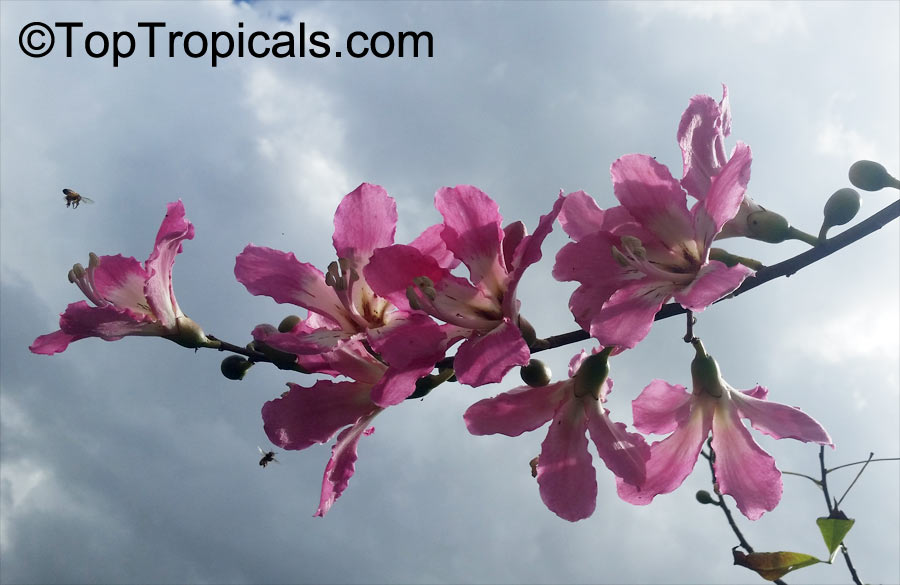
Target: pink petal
(512, 237)
(661, 407)
(486, 358)
(655, 199)
(342, 464)
(586, 302)
(700, 135)
(365, 220)
(411, 345)
(430, 243)
(714, 281)
(121, 281)
(52, 343)
(391, 271)
(628, 315)
(175, 228)
(725, 196)
(779, 420)
(671, 460)
(589, 261)
(567, 479)
(743, 470)
(108, 322)
(580, 215)
(306, 416)
(473, 233)
(280, 275)
(518, 411)
(527, 253)
(624, 453)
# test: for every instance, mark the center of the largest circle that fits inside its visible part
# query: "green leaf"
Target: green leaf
(834, 528)
(773, 565)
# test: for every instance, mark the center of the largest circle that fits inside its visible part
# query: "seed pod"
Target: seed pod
(842, 207)
(704, 497)
(870, 176)
(288, 323)
(234, 367)
(535, 374)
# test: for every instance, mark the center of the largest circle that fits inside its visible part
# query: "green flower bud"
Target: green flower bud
(234, 367)
(288, 323)
(841, 207)
(871, 176)
(704, 497)
(535, 374)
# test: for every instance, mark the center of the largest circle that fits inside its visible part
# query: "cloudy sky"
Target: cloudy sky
(136, 461)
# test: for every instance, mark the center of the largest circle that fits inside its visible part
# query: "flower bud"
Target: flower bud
(704, 497)
(592, 374)
(841, 207)
(871, 176)
(234, 367)
(535, 374)
(288, 323)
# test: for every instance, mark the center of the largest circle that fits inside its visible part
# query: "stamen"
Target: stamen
(620, 257)
(413, 298)
(329, 279)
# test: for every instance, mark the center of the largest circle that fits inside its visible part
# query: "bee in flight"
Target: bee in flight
(267, 457)
(74, 199)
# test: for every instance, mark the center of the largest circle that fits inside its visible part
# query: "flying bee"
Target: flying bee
(74, 199)
(267, 457)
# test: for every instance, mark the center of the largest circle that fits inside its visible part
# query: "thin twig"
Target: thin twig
(832, 510)
(720, 501)
(838, 504)
(863, 462)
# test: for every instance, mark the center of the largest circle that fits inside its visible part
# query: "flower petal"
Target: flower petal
(174, 230)
(52, 343)
(672, 459)
(648, 191)
(701, 134)
(743, 470)
(306, 416)
(580, 216)
(365, 220)
(280, 275)
(565, 474)
(411, 344)
(486, 358)
(120, 281)
(391, 271)
(108, 322)
(527, 253)
(518, 411)
(430, 243)
(779, 420)
(342, 465)
(624, 453)
(725, 195)
(714, 281)
(627, 316)
(472, 232)
(661, 407)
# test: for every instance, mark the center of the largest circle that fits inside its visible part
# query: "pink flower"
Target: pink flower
(565, 474)
(347, 308)
(129, 299)
(742, 469)
(483, 309)
(633, 258)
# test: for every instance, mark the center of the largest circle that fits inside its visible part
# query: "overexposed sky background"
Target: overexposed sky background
(135, 461)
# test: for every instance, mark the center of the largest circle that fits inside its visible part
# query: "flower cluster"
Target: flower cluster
(382, 317)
